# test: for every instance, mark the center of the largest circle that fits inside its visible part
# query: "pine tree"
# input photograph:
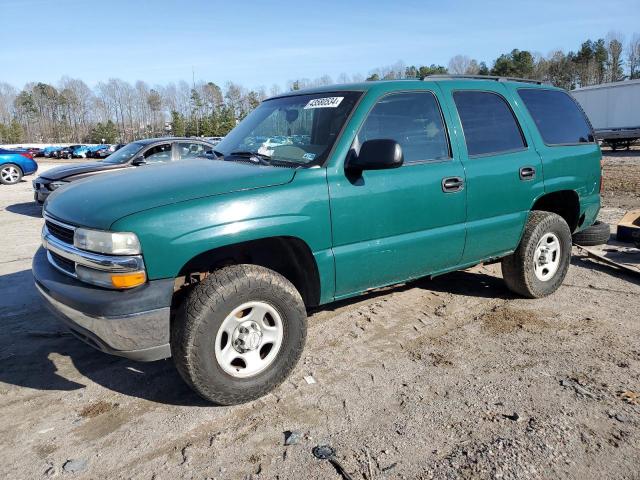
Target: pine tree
(15, 132)
(178, 128)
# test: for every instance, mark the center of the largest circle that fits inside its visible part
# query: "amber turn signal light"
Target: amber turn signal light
(128, 280)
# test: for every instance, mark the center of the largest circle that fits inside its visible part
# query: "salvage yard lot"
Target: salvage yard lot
(445, 378)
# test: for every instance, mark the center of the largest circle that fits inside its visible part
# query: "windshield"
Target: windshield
(298, 129)
(125, 154)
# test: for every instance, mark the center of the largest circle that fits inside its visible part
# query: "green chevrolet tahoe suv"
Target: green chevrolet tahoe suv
(316, 196)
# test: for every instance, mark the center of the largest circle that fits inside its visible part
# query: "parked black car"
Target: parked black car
(135, 154)
(107, 150)
(65, 152)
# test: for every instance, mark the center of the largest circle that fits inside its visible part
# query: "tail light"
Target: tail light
(29, 155)
(601, 182)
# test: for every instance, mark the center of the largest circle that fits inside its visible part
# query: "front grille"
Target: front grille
(64, 263)
(60, 232)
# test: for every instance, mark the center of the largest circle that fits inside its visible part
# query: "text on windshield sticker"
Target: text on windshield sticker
(326, 102)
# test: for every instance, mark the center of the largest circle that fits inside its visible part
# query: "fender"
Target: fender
(172, 235)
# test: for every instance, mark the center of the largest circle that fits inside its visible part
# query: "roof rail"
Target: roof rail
(483, 77)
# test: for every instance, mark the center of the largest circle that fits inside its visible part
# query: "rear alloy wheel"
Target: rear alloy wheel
(540, 263)
(239, 333)
(10, 174)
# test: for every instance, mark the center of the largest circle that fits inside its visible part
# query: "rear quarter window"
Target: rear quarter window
(558, 117)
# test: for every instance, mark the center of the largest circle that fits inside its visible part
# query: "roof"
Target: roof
(623, 83)
(412, 83)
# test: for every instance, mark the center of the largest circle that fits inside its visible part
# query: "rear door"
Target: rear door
(396, 224)
(503, 169)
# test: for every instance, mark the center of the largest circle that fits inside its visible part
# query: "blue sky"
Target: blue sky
(262, 43)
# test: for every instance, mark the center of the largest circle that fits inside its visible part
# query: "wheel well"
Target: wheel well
(564, 203)
(289, 256)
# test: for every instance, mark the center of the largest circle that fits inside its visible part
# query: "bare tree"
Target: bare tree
(633, 56)
(459, 64)
(324, 80)
(8, 96)
(343, 78)
(275, 90)
(473, 68)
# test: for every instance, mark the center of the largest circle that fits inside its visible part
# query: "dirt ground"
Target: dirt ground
(447, 378)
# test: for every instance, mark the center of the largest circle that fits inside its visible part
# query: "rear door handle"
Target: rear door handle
(527, 173)
(452, 184)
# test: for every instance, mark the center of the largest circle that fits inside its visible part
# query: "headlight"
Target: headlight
(114, 243)
(53, 185)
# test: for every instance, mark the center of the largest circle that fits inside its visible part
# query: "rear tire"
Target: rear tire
(596, 234)
(213, 343)
(540, 263)
(10, 174)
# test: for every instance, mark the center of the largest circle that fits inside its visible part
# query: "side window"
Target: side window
(488, 122)
(190, 150)
(159, 153)
(414, 121)
(559, 119)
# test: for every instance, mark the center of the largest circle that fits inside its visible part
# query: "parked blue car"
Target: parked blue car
(80, 151)
(91, 153)
(14, 164)
(48, 151)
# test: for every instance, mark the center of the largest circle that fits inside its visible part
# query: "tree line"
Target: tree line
(118, 111)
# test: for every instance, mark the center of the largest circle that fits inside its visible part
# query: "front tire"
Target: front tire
(540, 263)
(10, 174)
(239, 333)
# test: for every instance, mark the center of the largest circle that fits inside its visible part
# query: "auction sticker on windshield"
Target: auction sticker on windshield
(326, 102)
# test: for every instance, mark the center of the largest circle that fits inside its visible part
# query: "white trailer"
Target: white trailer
(614, 111)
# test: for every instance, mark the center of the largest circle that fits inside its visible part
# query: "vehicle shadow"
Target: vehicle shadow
(588, 263)
(30, 209)
(468, 283)
(622, 153)
(36, 351)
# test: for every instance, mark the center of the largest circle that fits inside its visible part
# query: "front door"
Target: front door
(397, 224)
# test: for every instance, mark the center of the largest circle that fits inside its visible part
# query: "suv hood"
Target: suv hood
(97, 202)
(64, 171)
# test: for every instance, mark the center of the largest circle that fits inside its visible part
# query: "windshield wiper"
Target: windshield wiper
(262, 159)
(255, 157)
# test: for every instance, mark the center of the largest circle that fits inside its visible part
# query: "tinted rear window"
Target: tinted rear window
(488, 123)
(559, 119)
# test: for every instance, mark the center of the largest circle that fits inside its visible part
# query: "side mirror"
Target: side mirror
(138, 161)
(377, 155)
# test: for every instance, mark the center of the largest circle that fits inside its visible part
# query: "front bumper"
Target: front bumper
(129, 323)
(40, 191)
